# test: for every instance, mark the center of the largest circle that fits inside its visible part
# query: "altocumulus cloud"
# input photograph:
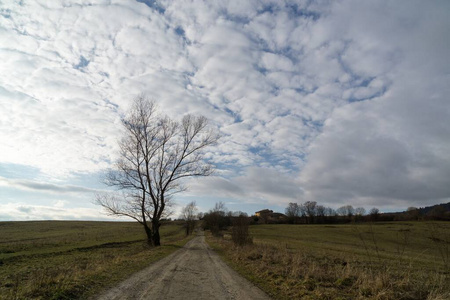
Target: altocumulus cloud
(342, 102)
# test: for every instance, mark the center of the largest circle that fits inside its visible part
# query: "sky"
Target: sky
(339, 102)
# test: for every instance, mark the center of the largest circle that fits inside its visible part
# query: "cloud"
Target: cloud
(269, 184)
(305, 88)
(218, 186)
(392, 151)
(254, 185)
(25, 209)
(402, 159)
(68, 70)
(31, 185)
(29, 212)
(237, 63)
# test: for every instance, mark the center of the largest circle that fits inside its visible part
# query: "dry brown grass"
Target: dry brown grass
(285, 272)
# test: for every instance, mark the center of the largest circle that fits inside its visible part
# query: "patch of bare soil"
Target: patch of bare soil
(193, 272)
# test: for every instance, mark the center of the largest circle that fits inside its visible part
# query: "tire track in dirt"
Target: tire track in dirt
(193, 272)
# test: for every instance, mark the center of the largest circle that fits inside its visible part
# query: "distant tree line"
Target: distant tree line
(219, 218)
(439, 212)
(312, 213)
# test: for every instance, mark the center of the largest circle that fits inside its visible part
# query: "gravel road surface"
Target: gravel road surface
(193, 272)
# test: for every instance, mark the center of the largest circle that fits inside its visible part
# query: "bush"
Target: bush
(239, 232)
(216, 221)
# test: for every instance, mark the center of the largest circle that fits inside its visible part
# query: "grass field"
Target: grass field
(74, 260)
(351, 261)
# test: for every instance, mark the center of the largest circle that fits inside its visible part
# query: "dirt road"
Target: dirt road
(193, 272)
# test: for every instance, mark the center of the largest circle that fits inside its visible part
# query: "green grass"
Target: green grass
(70, 259)
(402, 260)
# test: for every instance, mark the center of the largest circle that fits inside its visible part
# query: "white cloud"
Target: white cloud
(27, 212)
(389, 152)
(362, 161)
(268, 74)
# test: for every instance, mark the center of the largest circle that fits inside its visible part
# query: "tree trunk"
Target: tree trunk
(149, 233)
(155, 233)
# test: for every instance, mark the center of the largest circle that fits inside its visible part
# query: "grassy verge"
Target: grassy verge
(74, 260)
(385, 261)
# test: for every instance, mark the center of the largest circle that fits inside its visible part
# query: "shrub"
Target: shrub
(239, 232)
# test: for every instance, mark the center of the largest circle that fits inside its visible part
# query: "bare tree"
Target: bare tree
(346, 210)
(293, 212)
(220, 208)
(320, 213)
(374, 213)
(216, 219)
(320, 210)
(156, 153)
(189, 215)
(360, 211)
(310, 209)
(330, 212)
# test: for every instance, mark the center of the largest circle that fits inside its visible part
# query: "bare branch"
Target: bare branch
(155, 154)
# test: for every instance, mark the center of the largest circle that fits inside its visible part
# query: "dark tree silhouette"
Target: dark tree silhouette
(189, 215)
(156, 153)
(293, 212)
